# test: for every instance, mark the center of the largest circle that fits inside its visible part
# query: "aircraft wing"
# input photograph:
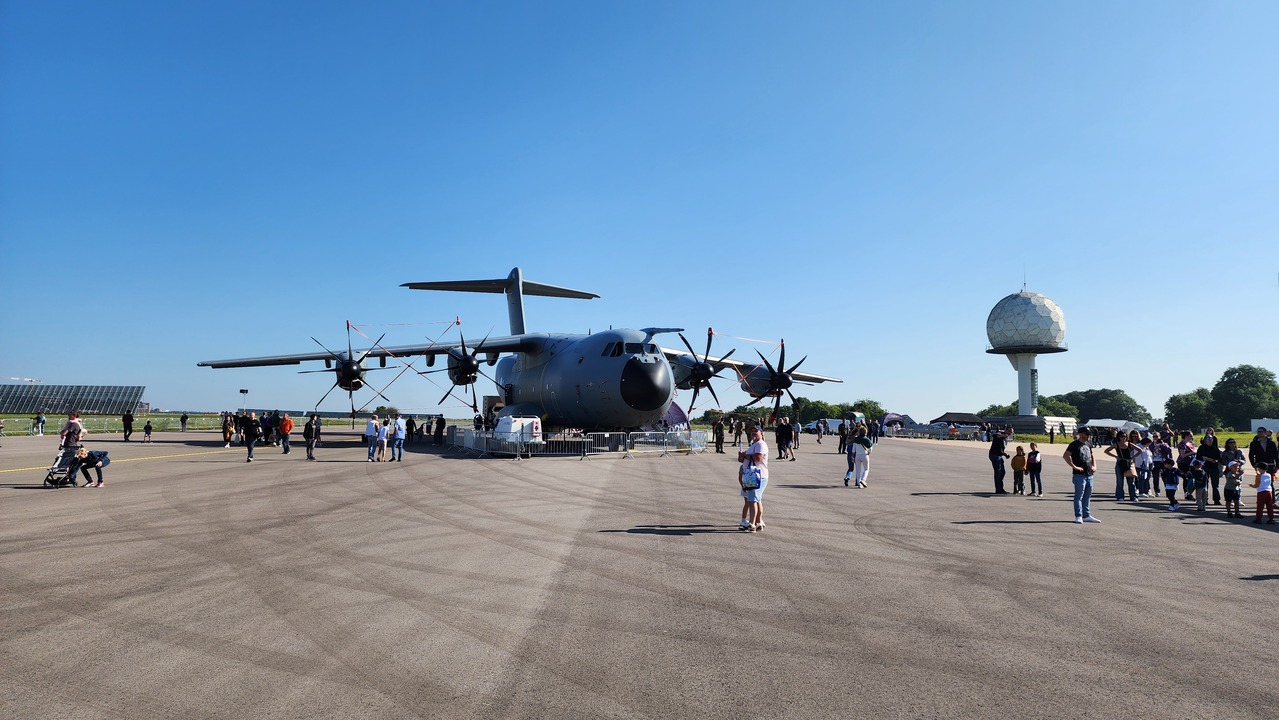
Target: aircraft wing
(743, 368)
(506, 344)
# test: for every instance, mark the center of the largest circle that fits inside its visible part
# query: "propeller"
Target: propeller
(779, 380)
(464, 370)
(701, 372)
(349, 371)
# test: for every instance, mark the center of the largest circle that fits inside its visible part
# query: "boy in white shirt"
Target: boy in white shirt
(1265, 492)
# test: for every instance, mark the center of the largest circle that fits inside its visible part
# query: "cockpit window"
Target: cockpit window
(617, 349)
(608, 350)
(641, 348)
(634, 348)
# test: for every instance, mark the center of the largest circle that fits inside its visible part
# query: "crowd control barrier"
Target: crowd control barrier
(577, 444)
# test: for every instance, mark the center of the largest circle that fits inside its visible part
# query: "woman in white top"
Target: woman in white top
(753, 458)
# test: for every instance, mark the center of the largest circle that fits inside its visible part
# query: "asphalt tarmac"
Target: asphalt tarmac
(195, 585)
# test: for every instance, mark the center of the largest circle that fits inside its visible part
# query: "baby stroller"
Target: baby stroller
(62, 471)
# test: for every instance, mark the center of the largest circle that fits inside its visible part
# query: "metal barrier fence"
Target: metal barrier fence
(580, 445)
(97, 425)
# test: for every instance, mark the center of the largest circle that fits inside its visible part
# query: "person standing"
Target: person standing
(1035, 469)
(1083, 466)
(370, 435)
(1210, 455)
(397, 439)
(40, 420)
(1232, 461)
(308, 434)
(72, 431)
(439, 430)
(228, 429)
(383, 432)
(1186, 455)
(754, 460)
(183, 420)
(1262, 450)
(285, 427)
(146, 431)
(1265, 492)
(127, 421)
(252, 432)
(998, 453)
(1019, 471)
(411, 427)
(717, 430)
(1121, 451)
(843, 436)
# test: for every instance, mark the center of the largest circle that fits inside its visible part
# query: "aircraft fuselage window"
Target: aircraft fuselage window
(617, 350)
(608, 349)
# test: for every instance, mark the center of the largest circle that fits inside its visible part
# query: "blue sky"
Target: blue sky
(192, 181)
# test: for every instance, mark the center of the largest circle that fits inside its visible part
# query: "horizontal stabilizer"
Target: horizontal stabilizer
(515, 287)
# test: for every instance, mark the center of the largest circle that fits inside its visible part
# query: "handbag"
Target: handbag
(1131, 471)
(751, 477)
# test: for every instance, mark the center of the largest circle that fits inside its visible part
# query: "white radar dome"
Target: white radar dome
(1026, 322)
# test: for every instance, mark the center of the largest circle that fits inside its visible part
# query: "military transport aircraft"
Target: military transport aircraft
(606, 380)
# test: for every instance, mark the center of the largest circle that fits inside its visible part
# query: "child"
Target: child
(1171, 483)
(146, 432)
(1232, 460)
(1035, 466)
(1234, 482)
(1145, 467)
(1199, 481)
(1265, 492)
(1019, 471)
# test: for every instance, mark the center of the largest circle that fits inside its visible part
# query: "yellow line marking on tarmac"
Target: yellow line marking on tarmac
(113, 460)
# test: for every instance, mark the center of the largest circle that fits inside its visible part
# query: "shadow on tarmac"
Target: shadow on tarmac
(682, 530)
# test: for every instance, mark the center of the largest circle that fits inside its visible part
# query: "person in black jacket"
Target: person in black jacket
(1262, 449)
(252, 433)
(1210, 454)
(90, 460)
(998, 453)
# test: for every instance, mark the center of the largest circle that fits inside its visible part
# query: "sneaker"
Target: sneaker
(1079, 520)
(845, 482)
(1175, 506)
(743, 525)
(249, 460)
(1091, 519)
(761, 526)
(227, 445)
(101, 484)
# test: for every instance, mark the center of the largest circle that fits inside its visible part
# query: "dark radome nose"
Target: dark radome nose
(646, 385)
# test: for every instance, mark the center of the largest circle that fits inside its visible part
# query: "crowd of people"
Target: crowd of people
(1149, 465)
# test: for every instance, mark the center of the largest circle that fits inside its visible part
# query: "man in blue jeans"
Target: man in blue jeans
(370, 434)
(1083, 466)
(397, 443)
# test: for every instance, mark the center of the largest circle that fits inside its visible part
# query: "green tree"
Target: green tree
(1106, 403)
(998, 410)
(872, 409)
(385, 410)
(1245, 392)
(1191, 410)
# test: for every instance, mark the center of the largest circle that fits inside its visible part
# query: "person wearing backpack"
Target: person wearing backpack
(308, 434)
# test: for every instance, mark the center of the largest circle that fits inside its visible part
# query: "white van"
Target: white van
(525, 429)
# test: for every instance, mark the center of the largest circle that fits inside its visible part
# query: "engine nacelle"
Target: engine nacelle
(350, 375)
(463, 369)
(759, 382)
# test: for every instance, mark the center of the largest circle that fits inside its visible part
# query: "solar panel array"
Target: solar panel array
(29, 399)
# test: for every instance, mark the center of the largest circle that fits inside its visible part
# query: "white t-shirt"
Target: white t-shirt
(371, 428)
(760, 448)
(1266, 483)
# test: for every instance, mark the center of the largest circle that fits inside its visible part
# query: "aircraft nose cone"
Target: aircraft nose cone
(646, 385)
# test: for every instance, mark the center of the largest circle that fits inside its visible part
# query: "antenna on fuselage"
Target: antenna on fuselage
(515, 287)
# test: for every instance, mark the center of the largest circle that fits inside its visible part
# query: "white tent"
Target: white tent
(1115, 424)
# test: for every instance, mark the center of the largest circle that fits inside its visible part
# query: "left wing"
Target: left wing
(509, 343)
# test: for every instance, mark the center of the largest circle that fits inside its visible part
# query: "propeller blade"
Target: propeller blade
(801, 362)
(446, 396)
(691, 351)
(693, 404)
(781, 360)
(777, 406)
(752, 402)
(767, 364)
(349, 351)
(304, 372)
(366, 352)
(326, 395)
(793, 401)
(729, 355)
(335, 355)
(707, 354)
(475, 403)
(712, 389)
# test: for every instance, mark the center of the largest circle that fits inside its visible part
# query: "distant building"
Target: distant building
(30, 399)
